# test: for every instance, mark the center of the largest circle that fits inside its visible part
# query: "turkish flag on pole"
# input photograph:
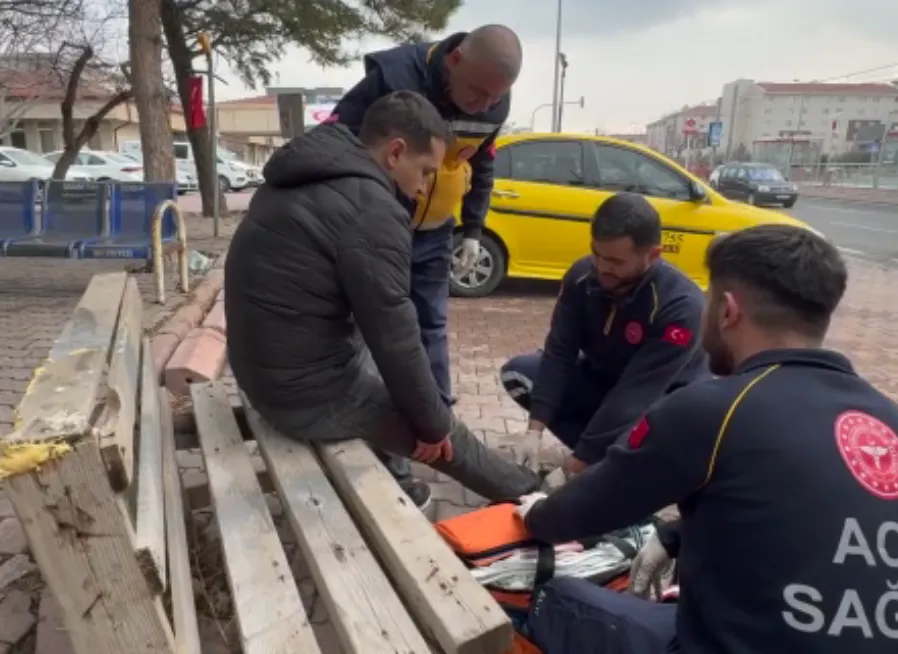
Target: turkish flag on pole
(196, 113)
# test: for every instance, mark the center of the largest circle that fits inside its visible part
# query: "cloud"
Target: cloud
(639, 59)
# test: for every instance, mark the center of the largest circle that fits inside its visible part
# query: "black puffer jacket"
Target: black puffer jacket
(323, 254)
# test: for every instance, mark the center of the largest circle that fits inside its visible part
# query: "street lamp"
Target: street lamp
(580, 103)
(556, 108)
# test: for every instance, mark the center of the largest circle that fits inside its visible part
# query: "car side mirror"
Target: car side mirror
(697, 192)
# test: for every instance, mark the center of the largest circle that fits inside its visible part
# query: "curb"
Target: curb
(173, 331)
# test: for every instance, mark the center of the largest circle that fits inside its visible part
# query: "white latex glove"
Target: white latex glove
(526, 503)
(648, 567)
(470, 250)
(526, 447)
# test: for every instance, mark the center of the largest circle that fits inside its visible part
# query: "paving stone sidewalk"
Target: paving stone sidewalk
(37, 297)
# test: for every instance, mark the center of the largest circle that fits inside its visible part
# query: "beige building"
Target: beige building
(250, 127)
(671, 134)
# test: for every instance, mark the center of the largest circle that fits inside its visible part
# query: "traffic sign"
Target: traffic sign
(689, 127)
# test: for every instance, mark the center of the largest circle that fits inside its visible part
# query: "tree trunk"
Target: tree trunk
(181, 56)
(145, 35)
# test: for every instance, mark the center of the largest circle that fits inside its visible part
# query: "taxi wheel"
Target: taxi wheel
(487, 274)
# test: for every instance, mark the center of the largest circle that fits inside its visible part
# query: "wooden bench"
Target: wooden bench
(93, 476)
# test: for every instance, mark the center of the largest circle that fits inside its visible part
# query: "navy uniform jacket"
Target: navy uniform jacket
(639, 346)
(466, 175)
(786, 477)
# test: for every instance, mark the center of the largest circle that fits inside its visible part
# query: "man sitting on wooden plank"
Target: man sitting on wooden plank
(323, 337)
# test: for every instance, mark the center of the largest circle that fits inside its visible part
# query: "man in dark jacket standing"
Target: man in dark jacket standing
(468, 78)
(320, 264)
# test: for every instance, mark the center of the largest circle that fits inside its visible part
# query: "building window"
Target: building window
(875, 99)
(17, 139)
(768, 111)
(788, 123)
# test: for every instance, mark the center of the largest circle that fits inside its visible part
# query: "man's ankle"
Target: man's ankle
(418, 491)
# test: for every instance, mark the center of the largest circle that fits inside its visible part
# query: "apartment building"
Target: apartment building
(672, 134)
(800, 121)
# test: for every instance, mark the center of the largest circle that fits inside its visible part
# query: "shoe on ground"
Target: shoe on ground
(418, 491)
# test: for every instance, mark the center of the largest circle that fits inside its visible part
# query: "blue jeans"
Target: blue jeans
(575, 616)
(584, 394)
(431, 265)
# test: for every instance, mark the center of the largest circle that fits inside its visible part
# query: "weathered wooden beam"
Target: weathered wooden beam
(187, 637)
(149, 539)
(445, 598)
(57, 480)
(116, 424)
(368, 616)
(270, 613)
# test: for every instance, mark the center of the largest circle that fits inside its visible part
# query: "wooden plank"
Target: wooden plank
(116, 429)
(187, 636)
(447, 601)
(368, 616)
(270, 614)
(60, 400)
(149, 539)
(82, 543)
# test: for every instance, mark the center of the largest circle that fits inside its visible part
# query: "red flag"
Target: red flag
(196, 113)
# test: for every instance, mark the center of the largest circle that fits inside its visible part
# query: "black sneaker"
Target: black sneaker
(418, 491)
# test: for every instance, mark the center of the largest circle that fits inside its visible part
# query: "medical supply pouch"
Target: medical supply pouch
(495, 545)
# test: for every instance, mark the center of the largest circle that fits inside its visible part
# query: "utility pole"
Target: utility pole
(206, 47)
(563, 61)
(556, 80)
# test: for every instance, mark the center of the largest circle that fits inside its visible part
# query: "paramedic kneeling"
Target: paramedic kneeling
(623, 333)
(785, 471)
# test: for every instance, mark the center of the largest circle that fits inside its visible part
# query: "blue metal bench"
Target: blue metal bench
(72, 213)
(144, 220)
(17, 212)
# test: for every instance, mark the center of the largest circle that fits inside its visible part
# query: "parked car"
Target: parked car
(18, 165)
(231, 176)
(757, 183)
(186, 180)
(548, 186)
(103, 166)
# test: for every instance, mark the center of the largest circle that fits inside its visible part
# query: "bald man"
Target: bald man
(468, 77)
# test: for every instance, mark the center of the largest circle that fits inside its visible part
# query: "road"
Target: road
(865, 230)
(859, 229)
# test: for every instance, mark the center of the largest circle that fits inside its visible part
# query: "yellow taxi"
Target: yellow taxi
(548, 186)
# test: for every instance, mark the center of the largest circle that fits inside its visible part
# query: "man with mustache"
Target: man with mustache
(784, 469)
(623, 333)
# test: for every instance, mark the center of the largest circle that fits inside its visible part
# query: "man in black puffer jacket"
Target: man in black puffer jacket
(319, 269)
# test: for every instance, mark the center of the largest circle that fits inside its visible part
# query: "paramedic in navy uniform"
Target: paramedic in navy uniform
(624, 332)
(785, 471)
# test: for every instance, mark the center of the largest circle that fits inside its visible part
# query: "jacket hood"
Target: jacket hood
(322, 154)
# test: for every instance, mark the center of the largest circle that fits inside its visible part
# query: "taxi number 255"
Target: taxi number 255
(671, 242)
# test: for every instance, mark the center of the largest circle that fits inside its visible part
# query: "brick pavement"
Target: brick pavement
(484, 333)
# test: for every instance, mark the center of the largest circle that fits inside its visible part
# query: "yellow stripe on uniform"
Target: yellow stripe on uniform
(729, 416)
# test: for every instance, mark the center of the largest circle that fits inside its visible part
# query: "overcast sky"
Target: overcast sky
(635, 60)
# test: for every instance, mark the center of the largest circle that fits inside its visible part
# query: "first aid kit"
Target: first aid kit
(502, 556)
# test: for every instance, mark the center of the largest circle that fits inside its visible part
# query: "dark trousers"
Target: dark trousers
(366, 411)
(431, 265)
(574, 616)
(583, 395)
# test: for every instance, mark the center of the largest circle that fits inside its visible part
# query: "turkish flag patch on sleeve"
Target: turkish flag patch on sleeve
(638, 434)
(491, 151)
(677, 335)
